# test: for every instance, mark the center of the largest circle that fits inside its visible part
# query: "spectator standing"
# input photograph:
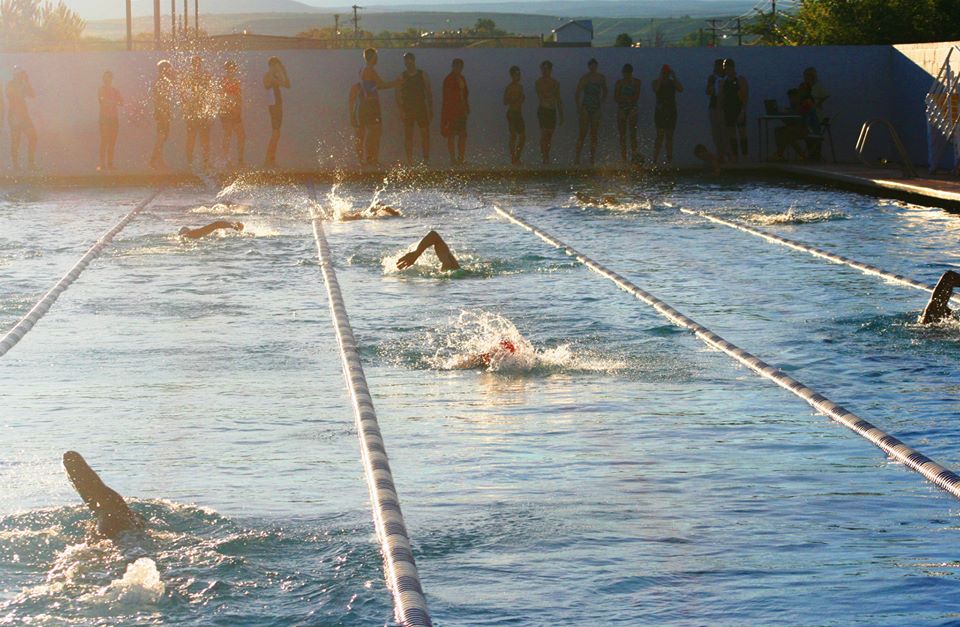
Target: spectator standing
(163, 92)
(590, 95)
(19, 90)
(714, 83)
(812, 95)
(549, 108)
(514, 97)
(275, 79)
(734, 92)
(415, 99)
(231, 112)
(368, 107)
(454, 112)
(665, 88)
(626, 93)
(110, 102)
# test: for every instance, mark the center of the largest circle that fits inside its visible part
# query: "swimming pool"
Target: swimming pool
(618, 473)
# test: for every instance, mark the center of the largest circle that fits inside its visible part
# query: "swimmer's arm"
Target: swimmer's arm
(447, 260)
(937, 309)
(213, 226)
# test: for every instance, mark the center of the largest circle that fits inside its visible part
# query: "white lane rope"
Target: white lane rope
(400, 570)
(897, 450)
(866, 268)
(14, 335)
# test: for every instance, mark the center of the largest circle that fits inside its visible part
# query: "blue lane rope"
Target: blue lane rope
(866, 268)
(897, 450)
(400, 570)
(14, 335)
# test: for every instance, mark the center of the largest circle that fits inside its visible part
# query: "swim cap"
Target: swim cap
(665, 69)
(508, 346)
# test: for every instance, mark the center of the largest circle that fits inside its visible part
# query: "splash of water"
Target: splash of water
(621, 205)
(792, 216)
(491, 342)
(140, 585)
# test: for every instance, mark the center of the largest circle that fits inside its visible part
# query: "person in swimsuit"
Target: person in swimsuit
(415, 99)
(714, 83)
(626, 93)
(198, 110)
(590, 95)
(275, 79)
(666, 87)
(372, 212)
(163, 90)
(447, 260)
(733, 102)
(454, 112)
(110, 103)
(203, 231)
(369, 106)
(18, 116)
(359, 129)
(549, 108)
(513, 97)
(113, 517)
(607, 200)
(231, 112)
(937, 309)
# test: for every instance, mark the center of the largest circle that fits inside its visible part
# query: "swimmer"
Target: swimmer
(208, 229)
(483, 360)
(112, 514)
(937, 310)
(447, 260)
(709, 159)
(374, 211)
(604, 201)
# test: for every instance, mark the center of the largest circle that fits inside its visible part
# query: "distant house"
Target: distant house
(574, 33)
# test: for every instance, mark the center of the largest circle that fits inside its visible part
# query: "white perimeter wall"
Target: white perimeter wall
(317, 133)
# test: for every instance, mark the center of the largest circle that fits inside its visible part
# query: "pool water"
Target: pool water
(614, 471)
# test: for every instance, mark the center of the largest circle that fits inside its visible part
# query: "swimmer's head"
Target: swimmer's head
(183, 231)
(508, 346)
(164, 67)
(514, 71)
(370, 55)
(592, 64)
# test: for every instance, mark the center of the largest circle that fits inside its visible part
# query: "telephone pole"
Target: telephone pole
(129, 27)
(713, 31)
(356, 22)
(186, 18)
(173, 21)
(196, 17)
(739, 33)
(336, 26)
(773, 12)
(156, 24)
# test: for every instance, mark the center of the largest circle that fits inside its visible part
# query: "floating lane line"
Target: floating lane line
(14, 335)
(866, 268)
(400, 570)
(897, 450)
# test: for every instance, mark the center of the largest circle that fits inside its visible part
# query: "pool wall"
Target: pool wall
(865, 82)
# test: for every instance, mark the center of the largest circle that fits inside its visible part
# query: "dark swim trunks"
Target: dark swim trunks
(276, 116)
(515, 121)
(369, 112)
(547, 118)
(665, 118)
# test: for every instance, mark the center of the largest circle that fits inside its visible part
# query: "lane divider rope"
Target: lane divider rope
(893, 447)
(866, 268)
(14, 335)
(400, 570)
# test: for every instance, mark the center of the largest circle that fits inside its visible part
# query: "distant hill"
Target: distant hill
(93, 10)
(289, 24)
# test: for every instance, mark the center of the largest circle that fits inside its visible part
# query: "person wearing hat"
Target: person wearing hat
(231, 112)
(18, 116)
(415, 99)
(590, 95)
(665, 87)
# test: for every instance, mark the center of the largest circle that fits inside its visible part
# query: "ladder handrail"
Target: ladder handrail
(908, 170)
(941, 104)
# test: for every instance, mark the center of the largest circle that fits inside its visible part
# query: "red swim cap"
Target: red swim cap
(508, 345)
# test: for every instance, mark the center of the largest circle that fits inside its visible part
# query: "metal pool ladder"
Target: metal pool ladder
(908, 170)
(943, 109)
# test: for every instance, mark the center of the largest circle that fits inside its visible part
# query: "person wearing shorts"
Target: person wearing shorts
(454, 112)
(110, 102)
(18, 116)
(590, 95)
(415, 99)
(733, 102)
(549, 108)
(231, 112)
(369, 115)
(513, 97)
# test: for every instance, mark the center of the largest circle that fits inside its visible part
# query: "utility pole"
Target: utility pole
(700, 41)
(773, 12)
(173, 21)
(129, 26)
(713, 31)
(196, 17)
(356, 22)
(336, 26)
(186, 19)
(739, 33)
(156, 24)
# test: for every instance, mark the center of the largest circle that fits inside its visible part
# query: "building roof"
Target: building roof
(586, 25)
